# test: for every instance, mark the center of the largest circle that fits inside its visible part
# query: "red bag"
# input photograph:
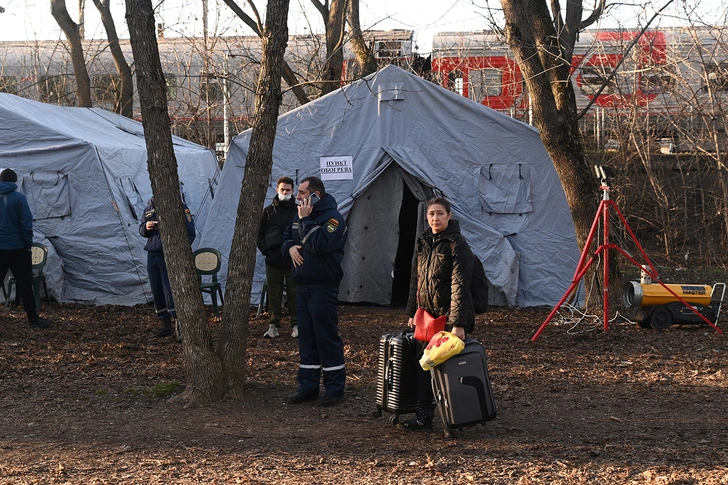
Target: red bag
(426, 326)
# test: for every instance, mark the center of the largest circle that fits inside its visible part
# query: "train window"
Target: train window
(484, 82)
(656, 81)
(53, 89)
(171, 82)
(211, 89)
(592, 79)
(387, 49)
(106, 87)
(8, 84)
(455, 81)
(717, 75)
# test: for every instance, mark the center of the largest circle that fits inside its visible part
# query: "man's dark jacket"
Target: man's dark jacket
(154, 243)
(275, 220)
(440, 281)
(322, 235)
(16, 220)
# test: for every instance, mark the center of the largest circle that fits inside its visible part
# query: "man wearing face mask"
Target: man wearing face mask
(276, 218)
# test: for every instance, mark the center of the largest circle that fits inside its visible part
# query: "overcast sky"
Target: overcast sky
(31, 19)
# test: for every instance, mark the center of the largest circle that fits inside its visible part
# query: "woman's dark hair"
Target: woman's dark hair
(440, 201)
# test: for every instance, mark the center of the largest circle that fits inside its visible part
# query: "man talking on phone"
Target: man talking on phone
(315, 241)
(156, 266)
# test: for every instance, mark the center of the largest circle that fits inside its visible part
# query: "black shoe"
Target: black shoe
(327, 401)
(166, 329)
(40, 322)
(301, 397)
(415, 424)
(164, 332)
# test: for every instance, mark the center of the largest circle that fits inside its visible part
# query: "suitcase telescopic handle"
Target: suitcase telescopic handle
(389, 376)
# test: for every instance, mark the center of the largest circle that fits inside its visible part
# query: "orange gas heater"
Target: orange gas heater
(660, 305)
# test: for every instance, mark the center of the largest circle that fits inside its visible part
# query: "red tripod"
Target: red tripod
(603, 249)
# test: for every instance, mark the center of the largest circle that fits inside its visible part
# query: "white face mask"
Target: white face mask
(284, 197)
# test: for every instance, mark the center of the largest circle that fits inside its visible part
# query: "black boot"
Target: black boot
(422, 420)
(166, 329)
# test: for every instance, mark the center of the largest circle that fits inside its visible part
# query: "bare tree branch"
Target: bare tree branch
(71, 29)
(595, 15)
(288, 74)
(621, 61)
(125, 105)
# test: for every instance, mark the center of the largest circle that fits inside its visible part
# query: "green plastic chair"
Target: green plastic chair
(39, 257)
(207, 263)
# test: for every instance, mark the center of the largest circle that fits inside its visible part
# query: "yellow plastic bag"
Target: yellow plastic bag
(442, 346)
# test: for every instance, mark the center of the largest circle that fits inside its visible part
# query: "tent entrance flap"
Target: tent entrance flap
(374, 235)
(405, 248)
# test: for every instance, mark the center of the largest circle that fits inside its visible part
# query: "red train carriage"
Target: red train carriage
(481, 67)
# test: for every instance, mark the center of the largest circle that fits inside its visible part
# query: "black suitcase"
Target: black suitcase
(397, 374)
(462, 388)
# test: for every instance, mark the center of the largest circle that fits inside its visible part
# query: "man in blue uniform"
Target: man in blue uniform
(315, 241)
(16, 237)
(156, 267)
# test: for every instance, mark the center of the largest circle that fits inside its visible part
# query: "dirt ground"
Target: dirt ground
(84, 403)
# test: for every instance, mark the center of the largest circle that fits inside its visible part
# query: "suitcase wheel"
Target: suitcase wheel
(394, 419)
(454, 433)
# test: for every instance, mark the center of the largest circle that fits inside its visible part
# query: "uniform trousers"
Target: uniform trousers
(319, 343)
(159, 281)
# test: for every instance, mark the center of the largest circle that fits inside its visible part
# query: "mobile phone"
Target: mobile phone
(313, 198)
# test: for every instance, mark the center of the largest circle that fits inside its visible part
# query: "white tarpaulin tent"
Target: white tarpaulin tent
(387, 143)
(84, 172)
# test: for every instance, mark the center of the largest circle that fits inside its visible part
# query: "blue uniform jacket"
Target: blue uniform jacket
(154, 243)
(16, 221)
(322, 236)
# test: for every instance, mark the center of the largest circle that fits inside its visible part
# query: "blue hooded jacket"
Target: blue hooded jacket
(16, 220)
(154, 242)
(322, 236)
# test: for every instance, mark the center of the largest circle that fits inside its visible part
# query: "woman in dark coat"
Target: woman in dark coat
(440, 284)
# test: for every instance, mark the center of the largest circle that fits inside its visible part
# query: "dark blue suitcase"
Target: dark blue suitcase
(462, 388)
(397, 374)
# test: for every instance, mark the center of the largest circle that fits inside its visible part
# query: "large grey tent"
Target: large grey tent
(385, 144)
(84, 172)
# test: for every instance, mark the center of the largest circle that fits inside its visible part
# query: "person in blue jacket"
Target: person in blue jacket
(157, 268)
(16, 238)
(315, 241)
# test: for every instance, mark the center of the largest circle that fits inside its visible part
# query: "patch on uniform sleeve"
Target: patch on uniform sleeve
(188, 215)
(149, 215)
(332, 225)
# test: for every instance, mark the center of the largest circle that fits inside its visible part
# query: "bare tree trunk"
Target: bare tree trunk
(72, 31)
(364, 55)
(258, 165)
(204, 370)
(534, 42)
(288, 74)
(334, 20)
(544, 57)
(82, 18)
(125, 104)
